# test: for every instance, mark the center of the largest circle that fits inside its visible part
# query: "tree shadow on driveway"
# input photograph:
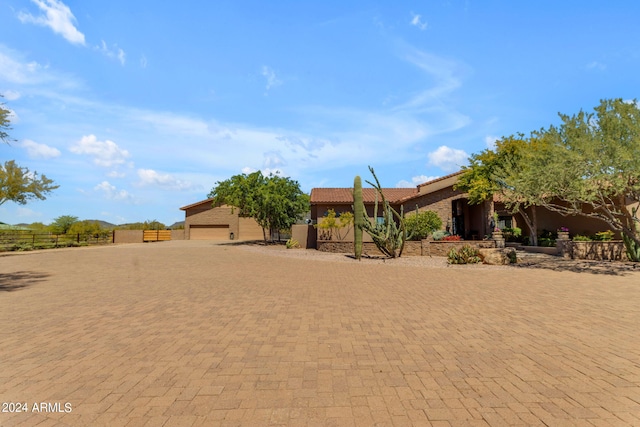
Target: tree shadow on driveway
(17, 280)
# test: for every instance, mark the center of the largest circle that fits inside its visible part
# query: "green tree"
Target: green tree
(588, 165)
(591, 165)
(19, 185)
(491, 172)
(275, 202)
(340, 224)
(86, 228)
(62, 224)
(5, 123)
(422, 224)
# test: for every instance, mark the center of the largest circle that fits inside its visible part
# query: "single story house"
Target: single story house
(204, 221)
(471, 222)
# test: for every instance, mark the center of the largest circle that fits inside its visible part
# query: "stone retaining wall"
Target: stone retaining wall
(411, 248)
(598, 251)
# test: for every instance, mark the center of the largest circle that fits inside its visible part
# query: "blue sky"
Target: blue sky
(137, 108)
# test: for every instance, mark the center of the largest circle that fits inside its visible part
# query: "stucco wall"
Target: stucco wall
(127, 236)
(177, 234)
(205, 215)
(305, 235)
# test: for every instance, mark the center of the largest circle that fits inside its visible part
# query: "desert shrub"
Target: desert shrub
(452, 238)
(604, 236)
(439, 234)
(292, 243)
(513, 234)
(464, 255)
(421, 224)
(581, 238)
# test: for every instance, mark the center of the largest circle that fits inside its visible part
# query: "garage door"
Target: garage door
(209, 232)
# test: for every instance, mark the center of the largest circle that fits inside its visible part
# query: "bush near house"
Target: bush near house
(421, 224)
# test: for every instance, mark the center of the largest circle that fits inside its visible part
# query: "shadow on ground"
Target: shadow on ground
(15, 281)
(611, 268)
(252, 243)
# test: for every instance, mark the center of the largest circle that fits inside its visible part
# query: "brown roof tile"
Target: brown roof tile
(345, 195)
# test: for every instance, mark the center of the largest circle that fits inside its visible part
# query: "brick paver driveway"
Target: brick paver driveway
(188, 333)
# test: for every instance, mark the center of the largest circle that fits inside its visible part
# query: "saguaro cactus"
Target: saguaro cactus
(358, 217)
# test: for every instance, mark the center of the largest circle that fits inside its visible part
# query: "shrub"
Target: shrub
(439, 234)
(464, 255)
(421, 224)
(453, 238)
(512, 234)
(292, 243)
(581, 238)
(604, 236)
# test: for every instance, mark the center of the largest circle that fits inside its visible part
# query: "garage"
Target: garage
(209, 232)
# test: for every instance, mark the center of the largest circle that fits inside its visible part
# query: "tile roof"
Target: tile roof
(344, 195)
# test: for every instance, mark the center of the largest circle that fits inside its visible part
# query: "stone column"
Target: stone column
(563, 244)
(498, 237)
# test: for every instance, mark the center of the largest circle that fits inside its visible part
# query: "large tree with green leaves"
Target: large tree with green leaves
(490, 173)
(589, 165)
(275, 202)
(62, 224)
(18, 184)
(5, 123)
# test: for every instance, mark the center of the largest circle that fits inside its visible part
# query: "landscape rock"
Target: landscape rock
(498, 256)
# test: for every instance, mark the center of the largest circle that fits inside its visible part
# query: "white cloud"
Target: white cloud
(143, 61)
(11, 95)
(58, 17)
(15, 69)
(595, 65)
(417, 21)
(27, 213)
(116, 174)
(448, 159)
(415, 181)
(105, 153)
(115, 53)
(248, 170)
(270, 75)
(39, 151)
(490, 141)
(163, 180)
(112, 193)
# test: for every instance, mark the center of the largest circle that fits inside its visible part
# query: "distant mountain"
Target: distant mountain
(103, 224)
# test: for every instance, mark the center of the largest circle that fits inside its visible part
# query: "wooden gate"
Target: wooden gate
(156, 235)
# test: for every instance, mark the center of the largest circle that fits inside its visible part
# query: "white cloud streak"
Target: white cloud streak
(270, 76)
(112, 193)
(417, 21)
(149, 177)
(415, 181)
(448, 159)
(104, 153)
(58, 17)
(39, 151)
(112, 53)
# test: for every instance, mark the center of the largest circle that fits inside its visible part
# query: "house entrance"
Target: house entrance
(457, 217)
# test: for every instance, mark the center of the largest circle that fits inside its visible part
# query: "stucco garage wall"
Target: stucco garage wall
(204, 214)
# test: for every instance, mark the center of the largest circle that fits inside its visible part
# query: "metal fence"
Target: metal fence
(14, 240)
